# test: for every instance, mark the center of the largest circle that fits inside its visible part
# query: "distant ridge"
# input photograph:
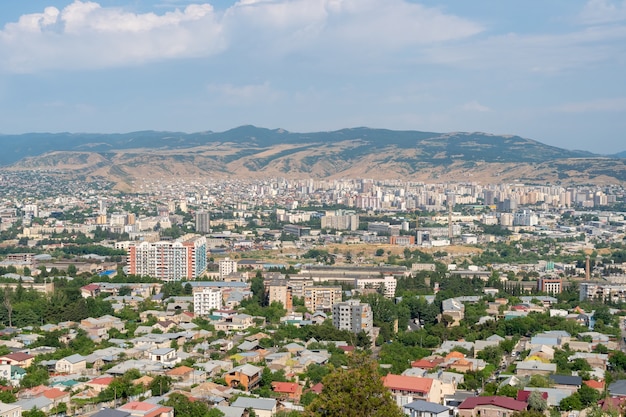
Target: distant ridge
(249, 151)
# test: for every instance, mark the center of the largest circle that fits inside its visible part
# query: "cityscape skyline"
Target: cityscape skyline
(548, 72)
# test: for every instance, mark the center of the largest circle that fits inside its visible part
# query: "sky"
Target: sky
(552, 71)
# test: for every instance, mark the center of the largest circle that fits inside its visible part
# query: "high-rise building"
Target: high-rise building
(354, 316)
(206, 299)
(321, 297)
(279, 290)
(184, 258)
(226, 267)
(203, 222)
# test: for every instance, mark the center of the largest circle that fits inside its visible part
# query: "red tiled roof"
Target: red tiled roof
(407, 383)
(285, 387)
(498, 401)
(594, 384)
(427, 363)
(317, 388)
(522, 395)
(103, 380)
(181, 370)
(18, 356)
(90, 287)
(54, 393)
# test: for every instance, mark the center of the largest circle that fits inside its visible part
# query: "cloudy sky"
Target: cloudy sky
(554, 71)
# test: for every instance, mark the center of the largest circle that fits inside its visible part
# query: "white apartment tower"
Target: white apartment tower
(226, 267)
(206, 299)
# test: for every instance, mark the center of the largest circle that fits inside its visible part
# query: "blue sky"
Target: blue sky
(553, 71)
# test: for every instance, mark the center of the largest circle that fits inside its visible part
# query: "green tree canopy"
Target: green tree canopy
(357, 391)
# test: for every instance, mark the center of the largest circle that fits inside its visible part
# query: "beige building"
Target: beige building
(278, 290)
(321, 297)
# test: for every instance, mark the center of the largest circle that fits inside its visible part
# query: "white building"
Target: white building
(226, 267)
(206, 299)
(388, 281)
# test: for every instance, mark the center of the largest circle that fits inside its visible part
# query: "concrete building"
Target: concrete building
(340, 222)
(321, 297)
(206, 299)
(203, 222)
(550, 285)
(184, 258)
(278, 290)
(354, 316)
(226, 267)
(387, 283)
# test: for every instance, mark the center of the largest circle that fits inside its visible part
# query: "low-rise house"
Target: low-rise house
(101, 383)
(235, 322)
(420, 408)
(10, 410)
(263, 407)
(525, 368)
(145, 409)
(246, 377)
(492, 406)
(23, 360)
(72, 364)
(287, 390)
(406, 389)
(567, 382)
(166, 356)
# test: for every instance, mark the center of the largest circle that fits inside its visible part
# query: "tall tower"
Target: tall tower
(203, 222)
(450, 219)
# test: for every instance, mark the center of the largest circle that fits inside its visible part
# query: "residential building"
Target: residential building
(71, 364)
(421, 408)
(226, 267)
(340, 222)
(321, 297)
(406, 389)
(246, 377)
(278, 290)
(263, 407)
(206, 299)
(354, 316)
(491, 406)
(203, 222)
(184, 258)
(550, 285)
(387, 284)
(10, 410)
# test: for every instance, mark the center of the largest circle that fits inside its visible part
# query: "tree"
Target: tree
(536, 402)
(160, 384)
(183, 407)
(357, 391)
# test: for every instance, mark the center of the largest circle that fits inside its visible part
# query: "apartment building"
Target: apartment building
(203, 222)
(321, 297)
(279, 290)
(226, 267)
(184, 258)
(354, 316)
(206, 299)
(550, 285)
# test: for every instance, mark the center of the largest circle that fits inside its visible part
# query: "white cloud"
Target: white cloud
(546, 53)
(599, 105)
(244, 94)
(86, 35)
(603, 11)
(475, 106)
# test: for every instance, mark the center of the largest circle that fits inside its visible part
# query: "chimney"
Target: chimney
(587, 269)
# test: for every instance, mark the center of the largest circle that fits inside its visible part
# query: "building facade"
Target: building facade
(206, 300)
(184, 258)
(354, 316)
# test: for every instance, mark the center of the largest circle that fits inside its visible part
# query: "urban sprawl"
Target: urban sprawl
(307, 297)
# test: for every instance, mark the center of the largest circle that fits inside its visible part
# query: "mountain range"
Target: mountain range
(250, 151)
